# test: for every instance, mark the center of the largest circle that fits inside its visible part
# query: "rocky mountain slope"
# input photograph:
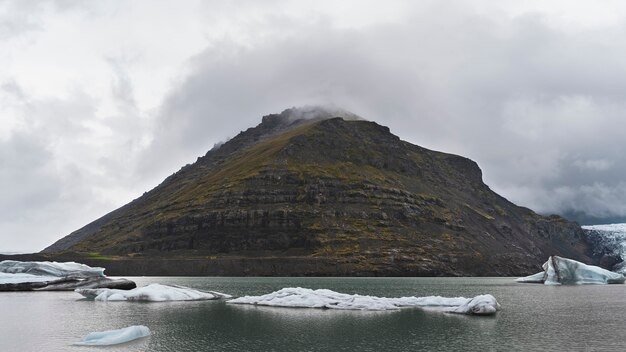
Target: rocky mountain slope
(328, 196)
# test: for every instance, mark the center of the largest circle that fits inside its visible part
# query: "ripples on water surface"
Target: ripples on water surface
(533, 317)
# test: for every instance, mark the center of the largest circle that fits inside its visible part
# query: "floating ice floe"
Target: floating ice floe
(307, 298)
(557, 271)
(151, 293)
(114, 337)
(48, 276)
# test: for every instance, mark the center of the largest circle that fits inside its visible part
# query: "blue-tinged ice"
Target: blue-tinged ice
(23, 278)
(52, 276)
(151, 293)
(538, 278)
(50, 269)
(114, 337)
(298, 297)
(563, 271)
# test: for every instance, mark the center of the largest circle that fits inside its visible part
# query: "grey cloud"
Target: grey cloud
(17, 18)
(540, 108)
(309, 112)
(25, 159)
(21, 17)
(58, 165)
(593, 164)
(121, 86)
(30, 189)
(230, 93)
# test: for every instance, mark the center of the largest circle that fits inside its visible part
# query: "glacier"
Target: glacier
(558, 271)
(53, 276)
(608, 240)
(51, 269)
(151, 293)
(298, 297)
(114, 337)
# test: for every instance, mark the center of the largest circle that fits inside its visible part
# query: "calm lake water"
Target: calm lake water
(533, 317)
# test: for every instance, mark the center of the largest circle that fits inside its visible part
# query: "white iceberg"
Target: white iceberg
(307, 298)
(538, 278)
(151, 293)
(557, 271)
(52, 269)
(53, 276)
(114, 337)
(20, 278)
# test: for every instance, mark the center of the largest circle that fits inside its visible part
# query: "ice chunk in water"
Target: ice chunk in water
(22, 278)
(152, 292)
(114, 337)
(479, 305)
(537, 278)
(559, 270)
(50, 269)
(36, 276)
(307, 298)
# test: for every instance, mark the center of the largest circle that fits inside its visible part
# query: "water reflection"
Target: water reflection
(308, 313)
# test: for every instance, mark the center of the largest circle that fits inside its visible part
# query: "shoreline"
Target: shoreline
(233, 266)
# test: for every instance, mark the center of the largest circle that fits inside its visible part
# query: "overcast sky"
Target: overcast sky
(101, 100)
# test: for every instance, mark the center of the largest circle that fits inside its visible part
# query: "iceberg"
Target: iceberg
(53, 276)
(326, 299)
(20, 278)
(538, 278)
(151, 293)
(114, 337)
(557, 271)
(94, 282)
(54, 269)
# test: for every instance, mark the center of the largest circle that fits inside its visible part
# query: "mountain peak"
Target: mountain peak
(308, 113)
(274, 124)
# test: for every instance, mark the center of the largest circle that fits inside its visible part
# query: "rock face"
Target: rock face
(338, 190)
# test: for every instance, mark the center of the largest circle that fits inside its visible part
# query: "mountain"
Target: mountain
(321, 192)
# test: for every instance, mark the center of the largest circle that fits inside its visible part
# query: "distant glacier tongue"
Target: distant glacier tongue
(609, 239)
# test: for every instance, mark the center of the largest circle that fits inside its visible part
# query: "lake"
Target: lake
(533, 317)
